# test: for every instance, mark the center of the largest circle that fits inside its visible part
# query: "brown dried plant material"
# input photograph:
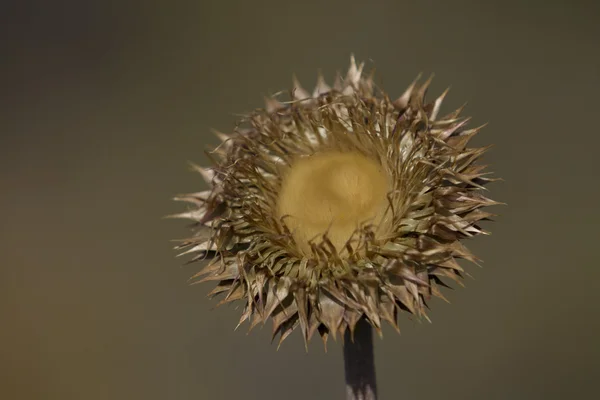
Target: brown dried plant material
(338, 205)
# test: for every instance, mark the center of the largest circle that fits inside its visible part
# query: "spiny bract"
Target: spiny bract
(413, 171)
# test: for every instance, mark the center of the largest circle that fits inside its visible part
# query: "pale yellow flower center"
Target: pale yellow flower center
(332, 192)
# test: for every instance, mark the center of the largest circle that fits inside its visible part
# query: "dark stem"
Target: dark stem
(359, 363)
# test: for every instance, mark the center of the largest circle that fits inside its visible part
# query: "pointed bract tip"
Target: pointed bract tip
(354, 72)
(208, 174)
(222, 136)
(272, 104)
(298, 91)
(321, 87)
(402, 101)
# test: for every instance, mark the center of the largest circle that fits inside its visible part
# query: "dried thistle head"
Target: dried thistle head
(338, 205)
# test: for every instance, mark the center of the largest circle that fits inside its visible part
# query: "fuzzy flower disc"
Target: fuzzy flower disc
(336, 206)
(332, 194)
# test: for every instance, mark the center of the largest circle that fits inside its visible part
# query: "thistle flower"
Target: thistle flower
(338, 205)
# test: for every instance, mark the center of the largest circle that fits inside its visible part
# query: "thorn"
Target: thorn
(298, 92)
(321, 86)
(402, 101)
(437, 105)
(369, 81)
(354, 72)
(222, 136)
(423, 88)
(207, 174)
(338, 83)
(272, 104)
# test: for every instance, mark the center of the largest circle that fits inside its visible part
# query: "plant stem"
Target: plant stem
(359, 363)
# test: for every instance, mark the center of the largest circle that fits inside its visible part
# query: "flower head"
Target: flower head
(338, 205)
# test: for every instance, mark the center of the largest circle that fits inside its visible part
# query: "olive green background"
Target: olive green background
(103, 105)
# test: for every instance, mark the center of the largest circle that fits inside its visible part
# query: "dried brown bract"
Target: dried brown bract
(338, 205)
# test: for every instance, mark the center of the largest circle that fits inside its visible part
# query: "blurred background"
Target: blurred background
(104, 103)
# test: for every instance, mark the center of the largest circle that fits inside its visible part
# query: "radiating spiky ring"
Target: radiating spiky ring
(391, 261)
